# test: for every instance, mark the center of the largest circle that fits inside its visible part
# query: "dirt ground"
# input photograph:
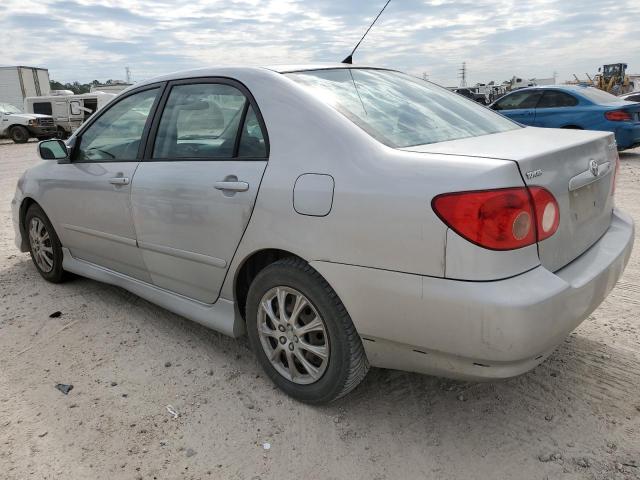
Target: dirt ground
(575, 416)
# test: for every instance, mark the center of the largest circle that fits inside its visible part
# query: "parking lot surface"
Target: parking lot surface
(157, 396)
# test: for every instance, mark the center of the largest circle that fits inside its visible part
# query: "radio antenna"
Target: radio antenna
(349, 59)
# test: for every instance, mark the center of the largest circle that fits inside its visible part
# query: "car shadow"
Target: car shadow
(630, 155)
(565, 397)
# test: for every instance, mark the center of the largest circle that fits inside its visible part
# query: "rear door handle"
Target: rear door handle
(232, 186)
(119, 181)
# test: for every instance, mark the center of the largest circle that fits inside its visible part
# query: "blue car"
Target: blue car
(578, 107)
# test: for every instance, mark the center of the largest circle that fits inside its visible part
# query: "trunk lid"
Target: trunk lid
(576, 166)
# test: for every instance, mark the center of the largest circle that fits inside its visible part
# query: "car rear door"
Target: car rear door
(519, 106)
(194, 193)
(557, 109)
(88, 199)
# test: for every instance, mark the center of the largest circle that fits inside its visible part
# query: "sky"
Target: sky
(86, 40)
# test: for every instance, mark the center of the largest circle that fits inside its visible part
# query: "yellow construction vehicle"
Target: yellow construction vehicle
(613, 78)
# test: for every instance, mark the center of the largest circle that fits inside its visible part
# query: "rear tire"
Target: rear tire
(19, 134)
(274, 339)
(44, 245)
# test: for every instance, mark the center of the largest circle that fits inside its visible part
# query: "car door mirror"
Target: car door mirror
(53, 150)
(75, 108)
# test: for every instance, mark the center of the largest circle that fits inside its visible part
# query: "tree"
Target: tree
(76, 87)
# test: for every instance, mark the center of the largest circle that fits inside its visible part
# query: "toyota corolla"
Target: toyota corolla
(341, 217)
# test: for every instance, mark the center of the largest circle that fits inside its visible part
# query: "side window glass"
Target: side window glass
(554, 99)
(200, 121)
(252, 144)
(117, 133)
(516, 100)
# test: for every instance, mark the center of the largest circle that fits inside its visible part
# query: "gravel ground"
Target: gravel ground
(575, 416)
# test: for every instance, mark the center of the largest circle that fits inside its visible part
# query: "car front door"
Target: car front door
(556, 109)
(194, 192)
(519, 106)
(89, 197)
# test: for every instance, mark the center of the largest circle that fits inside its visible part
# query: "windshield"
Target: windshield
(599, 96)
(8, 108)
(399, 110)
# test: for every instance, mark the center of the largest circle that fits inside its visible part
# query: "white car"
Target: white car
(342, 217)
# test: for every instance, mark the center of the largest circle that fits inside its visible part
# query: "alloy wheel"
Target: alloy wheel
(41, 247)
(293, 335)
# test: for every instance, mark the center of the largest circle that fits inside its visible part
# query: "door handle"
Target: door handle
(119, 181)
(232, 186)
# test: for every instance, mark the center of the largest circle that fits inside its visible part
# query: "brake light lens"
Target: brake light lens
(618, 116)
(501, 219)
(615, 174)
(547, 212)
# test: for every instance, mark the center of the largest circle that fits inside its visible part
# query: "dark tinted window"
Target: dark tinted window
(116, 134)
(633, 98)
(43, 108)
(252, 144)
(200, 121)
(556, 98)
(524, 99)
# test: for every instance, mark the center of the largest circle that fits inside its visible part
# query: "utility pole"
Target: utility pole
(127, 72)
(555, 78)
(462, 74)
(425, 76)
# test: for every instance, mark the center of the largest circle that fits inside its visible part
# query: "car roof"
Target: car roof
(570, 88)
(230, 70)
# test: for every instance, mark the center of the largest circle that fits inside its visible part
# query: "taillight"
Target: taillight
(615, 174)
(618, 116)
(547, 212)
(501, 219)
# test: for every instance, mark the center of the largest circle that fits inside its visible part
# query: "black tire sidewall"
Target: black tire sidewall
(61, 134)
(56, 274)
(22, 137)
(318, 292)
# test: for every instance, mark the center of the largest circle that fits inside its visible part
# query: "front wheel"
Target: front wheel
(44, 245)
(302, 334)
(19, 134)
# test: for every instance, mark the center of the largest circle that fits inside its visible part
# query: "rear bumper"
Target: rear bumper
(478, 330)
(628, 136)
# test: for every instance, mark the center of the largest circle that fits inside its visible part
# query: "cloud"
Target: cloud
(84, 40)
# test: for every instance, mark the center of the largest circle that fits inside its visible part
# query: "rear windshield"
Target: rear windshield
(399, 110)
(599, 96)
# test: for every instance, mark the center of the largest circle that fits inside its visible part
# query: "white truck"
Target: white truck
(17, 83)
(21, 126)
(68, 111)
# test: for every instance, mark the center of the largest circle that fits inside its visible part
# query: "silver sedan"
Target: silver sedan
(341, 217)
